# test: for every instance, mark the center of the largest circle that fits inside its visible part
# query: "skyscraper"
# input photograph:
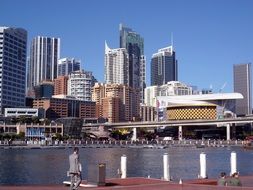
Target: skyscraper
(243, 85)
(134, 44)
(163, 66)
(44, 55)
(67, 65)
(13, 42)
(116, 65)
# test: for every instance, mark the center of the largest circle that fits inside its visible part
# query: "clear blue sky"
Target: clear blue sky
(209, 35)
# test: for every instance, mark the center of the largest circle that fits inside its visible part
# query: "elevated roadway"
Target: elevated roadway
(177, 123)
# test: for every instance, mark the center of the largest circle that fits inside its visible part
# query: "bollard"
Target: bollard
(123, 166)
(233, 162)
(166, 167)
(203, 166)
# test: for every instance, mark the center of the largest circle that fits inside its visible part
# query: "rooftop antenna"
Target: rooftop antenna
(171, 38)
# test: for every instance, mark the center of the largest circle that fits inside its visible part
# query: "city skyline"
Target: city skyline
(209, 37)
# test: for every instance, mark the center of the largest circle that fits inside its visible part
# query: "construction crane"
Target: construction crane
(223, 86)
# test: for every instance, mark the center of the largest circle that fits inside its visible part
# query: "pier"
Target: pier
(139, 183)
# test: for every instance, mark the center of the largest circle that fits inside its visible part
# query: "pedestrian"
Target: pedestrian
(75, 169)
(222, 181)
(234, 180)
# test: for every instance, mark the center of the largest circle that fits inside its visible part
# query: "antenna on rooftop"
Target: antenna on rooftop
(171, 38)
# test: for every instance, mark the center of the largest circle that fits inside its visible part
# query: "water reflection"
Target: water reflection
(49, 166)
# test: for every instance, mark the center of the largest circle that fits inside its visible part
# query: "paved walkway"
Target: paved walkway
(144, 184)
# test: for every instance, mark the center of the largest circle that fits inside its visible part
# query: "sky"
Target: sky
(209, 36)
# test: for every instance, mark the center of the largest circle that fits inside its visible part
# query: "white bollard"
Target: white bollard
(123, 166)
(202, 165)
(166, 167)
(233, 163)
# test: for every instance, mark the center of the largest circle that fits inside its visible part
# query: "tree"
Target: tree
(35, 119)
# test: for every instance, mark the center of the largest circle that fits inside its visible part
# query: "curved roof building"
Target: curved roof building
(205, 106)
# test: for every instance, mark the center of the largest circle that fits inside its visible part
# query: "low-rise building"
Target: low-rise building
(202, 106)
(65, 106)
(17, 112)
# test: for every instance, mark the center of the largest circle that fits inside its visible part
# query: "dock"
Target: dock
(140, 183)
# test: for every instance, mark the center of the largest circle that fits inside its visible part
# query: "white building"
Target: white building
(172, 88)
(12, 67)
(116, 65)
(80, 84)
(67, 65)
(16, 112)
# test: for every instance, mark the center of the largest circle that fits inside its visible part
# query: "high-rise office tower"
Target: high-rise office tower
(13, 42)
(243, 85)
(44, 55)
(116, 65)
(163, 66)
(134, 44)
(67, 65)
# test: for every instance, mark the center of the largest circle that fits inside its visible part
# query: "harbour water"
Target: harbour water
(49, 166)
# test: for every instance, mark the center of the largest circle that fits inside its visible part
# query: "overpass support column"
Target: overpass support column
(180, 133)
(134, 137)
(228, 132)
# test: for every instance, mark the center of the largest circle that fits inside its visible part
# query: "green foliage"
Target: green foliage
(58, 136)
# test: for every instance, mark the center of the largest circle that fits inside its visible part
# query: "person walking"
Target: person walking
(75, 169)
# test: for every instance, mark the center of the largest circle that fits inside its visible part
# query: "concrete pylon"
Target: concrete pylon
(180, 133)
(134, 137)
(228, 131)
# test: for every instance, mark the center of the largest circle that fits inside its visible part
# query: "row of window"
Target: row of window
(17, 71)
(14, 40)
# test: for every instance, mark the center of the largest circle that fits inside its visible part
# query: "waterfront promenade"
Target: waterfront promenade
(121, 143)
(139, 183)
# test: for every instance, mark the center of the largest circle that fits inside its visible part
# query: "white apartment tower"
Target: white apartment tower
(44, 55)
(13, 43)
(80, 84)
(116, 65)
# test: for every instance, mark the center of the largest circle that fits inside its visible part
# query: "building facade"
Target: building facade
(164, 66)
(17, 112)
(44, 90)
(147, 113)
(67, 65)
(243, 85)
(61, 85)
(116, 102)
(59, 107)
(13, 45)
(134, 44)
(44, 55)
(202, 106)
(80, 84)
(172, 88)
(116, 65)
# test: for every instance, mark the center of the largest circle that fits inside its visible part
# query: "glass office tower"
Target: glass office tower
(164, 66)
(13, 43)
(44, 55)
(134, 44)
